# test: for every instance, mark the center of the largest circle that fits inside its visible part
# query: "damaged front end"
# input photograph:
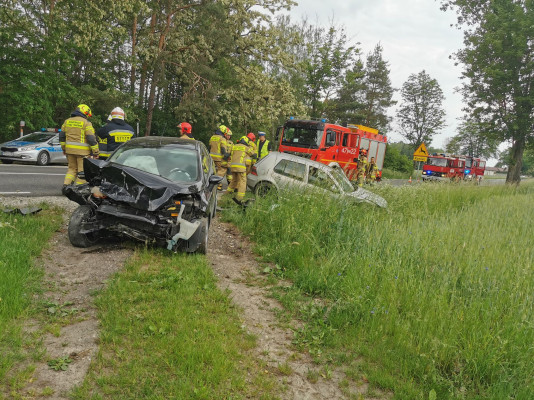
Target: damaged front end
(124, 201)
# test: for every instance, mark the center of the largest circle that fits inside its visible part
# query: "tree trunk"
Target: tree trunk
(142, 84)
(133, 70)
(513, 176)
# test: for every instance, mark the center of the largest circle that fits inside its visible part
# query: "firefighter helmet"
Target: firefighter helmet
(363, 152)
(251, 136)
(228, 132)
(224, 129)
(118, 113)
(85, 110)
(185, 127)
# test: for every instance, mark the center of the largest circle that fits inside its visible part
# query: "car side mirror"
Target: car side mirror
(215, 180)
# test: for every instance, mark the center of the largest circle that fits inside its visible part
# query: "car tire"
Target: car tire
(77, 239)
(43, 158)
(263, 189)
(203, 246)
(7, 161)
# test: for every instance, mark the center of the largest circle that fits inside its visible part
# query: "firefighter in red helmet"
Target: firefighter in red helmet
(186, 130)
(77, 139)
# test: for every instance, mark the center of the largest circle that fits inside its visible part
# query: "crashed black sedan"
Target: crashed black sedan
(160, 190)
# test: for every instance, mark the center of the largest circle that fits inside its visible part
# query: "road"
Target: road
(31, 180)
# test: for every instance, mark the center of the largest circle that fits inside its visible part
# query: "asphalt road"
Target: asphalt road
(31, 180)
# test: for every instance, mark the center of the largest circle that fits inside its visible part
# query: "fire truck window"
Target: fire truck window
(291, 169)
(345, 140)
(302, 137)
(330, 138)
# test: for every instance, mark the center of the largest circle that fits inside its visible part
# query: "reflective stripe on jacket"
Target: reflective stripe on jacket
(240, 153)
(217, 147)
(77, 136)
(229, 146)
(112, 135)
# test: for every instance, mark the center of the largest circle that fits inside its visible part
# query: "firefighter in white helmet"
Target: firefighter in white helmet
(77, 140)
(114, 133)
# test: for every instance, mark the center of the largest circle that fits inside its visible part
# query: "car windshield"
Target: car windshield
(437, 162)
(302, 137)
(172, 163)
(342, 180)
(37, 137)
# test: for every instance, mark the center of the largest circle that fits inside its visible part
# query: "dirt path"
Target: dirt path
(73, 275)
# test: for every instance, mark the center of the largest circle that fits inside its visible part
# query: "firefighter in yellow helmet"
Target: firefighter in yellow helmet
(362, 167)
(77, 139)
(218, 150)
(240, 152)
(226, 161)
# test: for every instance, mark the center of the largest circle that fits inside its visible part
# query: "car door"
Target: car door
(56, 153)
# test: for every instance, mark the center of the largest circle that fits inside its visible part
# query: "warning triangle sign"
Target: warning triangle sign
(421, 151)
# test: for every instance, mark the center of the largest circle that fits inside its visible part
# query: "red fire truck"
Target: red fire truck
(329, 143)
(440, 167)
(450, 167)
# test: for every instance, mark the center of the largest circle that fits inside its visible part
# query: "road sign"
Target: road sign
(421, 153)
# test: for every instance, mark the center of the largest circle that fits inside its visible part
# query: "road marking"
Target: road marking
(29, 173)
(15, 192)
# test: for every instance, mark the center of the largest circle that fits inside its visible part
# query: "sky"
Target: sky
(415, 35)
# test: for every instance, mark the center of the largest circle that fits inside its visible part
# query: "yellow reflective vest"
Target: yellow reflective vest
(217, 147)
(77, 137)
(264, 149)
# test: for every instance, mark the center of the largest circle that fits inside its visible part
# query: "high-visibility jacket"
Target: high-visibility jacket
(229, 147)
(77, 136)
(217, 146)
(112, 135)
(362, 166)
(372, 171)
(240, 153)
(263, 148)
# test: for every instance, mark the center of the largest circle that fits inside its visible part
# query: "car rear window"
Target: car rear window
(291, 169)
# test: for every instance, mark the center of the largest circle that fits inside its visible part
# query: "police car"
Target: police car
(41, 148)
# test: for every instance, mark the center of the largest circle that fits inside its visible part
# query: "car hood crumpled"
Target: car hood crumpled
(363, 195)
(139, 189)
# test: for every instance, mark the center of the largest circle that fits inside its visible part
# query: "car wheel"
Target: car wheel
(263, 189)
(43, 158)
(7, 161)
(80, 215)
(203, 246)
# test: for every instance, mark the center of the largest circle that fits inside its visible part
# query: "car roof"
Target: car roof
(163, 141)
(302, 160)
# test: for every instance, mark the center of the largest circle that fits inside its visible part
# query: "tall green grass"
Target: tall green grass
(436, 293)
(22, 238)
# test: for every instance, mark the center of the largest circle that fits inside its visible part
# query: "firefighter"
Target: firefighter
(252, 143)
(264, 146)
(218, 150)
(225, 162)
(372, 172)
(240, 152)
(186, 130)
(114, 133)
(77, 139)
(362, 167)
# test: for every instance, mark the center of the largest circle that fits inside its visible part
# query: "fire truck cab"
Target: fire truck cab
(329, 143)
(474, 168)
(443, 168)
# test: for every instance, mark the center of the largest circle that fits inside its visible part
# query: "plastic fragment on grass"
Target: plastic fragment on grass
(22, 211)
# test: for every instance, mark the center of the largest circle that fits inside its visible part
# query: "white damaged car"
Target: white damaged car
(278, 170)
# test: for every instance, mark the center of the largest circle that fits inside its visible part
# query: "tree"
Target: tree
(377, 91)
(473, 140)
(499, 69)
(421, 114)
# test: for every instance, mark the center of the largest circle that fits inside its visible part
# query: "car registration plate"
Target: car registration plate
(7, 153)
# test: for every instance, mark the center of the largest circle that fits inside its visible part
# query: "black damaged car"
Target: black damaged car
(160, 190)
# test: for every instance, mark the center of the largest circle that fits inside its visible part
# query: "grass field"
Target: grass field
(22, 238)
(432, 298)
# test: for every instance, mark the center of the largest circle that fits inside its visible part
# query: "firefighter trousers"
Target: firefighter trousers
(238, 185)
(75, 165)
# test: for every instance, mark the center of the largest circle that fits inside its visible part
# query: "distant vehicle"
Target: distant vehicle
(160, 190)
(41, 148)
(442, 167)
(278, 170)
(329, 143)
